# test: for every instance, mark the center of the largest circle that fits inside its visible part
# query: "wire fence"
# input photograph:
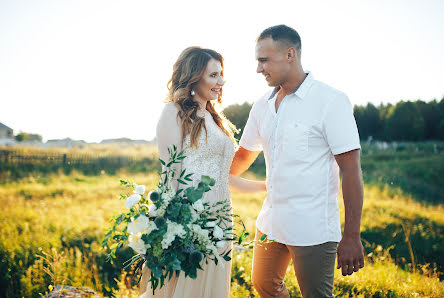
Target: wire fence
(16, 164)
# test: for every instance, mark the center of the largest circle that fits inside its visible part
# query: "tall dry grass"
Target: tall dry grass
(51, 228)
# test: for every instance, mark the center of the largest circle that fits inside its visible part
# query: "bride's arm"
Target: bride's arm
(245, 185)
(168, 133)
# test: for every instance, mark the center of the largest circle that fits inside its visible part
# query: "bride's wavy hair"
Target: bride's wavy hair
(187, 72)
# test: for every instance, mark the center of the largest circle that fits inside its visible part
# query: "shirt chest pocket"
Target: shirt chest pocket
(296, 140)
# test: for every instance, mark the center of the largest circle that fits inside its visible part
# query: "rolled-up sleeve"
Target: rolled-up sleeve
(250, 139)
(339, 126)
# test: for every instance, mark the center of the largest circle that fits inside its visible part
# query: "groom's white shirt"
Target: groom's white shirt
(299, 142)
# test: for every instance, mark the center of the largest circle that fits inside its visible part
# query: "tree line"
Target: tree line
(403, 121)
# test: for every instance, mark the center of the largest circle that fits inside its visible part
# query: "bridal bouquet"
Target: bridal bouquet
(173, 230)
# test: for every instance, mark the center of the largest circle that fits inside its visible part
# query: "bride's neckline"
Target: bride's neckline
(202, 112)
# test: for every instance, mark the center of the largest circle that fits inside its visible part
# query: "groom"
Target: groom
(308, 134)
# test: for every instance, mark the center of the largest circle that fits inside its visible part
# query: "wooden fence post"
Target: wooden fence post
(6, 153)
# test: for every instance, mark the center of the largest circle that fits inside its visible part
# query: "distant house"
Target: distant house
(6, 132)
(6, 135)
(125, 141)
(68, 143)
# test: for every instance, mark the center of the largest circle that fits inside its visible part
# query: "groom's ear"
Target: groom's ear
(291, 54)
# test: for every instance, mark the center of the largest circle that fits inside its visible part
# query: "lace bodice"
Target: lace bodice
(213, 156)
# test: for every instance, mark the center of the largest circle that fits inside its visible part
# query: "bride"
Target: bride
(190, 121)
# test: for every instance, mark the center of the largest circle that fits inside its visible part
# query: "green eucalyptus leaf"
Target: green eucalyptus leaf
(181, 181)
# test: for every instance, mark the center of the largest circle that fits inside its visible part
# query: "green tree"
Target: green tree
(404, 122)
(431, 114)
(440, 127)
(368, 121)
(358, 112)
(238, 115)
(383, 115)
(24, 136)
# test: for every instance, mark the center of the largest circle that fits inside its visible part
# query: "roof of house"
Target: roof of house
(4, 126)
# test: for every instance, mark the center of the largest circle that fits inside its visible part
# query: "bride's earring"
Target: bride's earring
(192, 93)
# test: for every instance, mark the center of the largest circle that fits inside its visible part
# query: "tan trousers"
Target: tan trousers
(313, 266)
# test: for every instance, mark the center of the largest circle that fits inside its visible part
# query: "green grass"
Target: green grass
(419, 174)
(67, 213)
(51, 228)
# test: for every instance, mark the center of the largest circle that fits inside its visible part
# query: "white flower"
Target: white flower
(136, 243)
(194, 214)
(211, 224)
(199, 234)
(139, 189)
(152, 211)
(173, 230)
(204, 234)
(151, 227)
(139, 225)
(132, 200)
(161, 211)
(166, 196)
(198, 206)
(218, 232)
(220, 244)
(171, 192)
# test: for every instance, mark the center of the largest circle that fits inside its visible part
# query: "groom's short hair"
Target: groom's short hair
(284, 34)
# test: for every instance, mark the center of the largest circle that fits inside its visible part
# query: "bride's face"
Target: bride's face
(210, 85)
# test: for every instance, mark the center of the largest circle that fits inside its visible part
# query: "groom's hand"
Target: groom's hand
(350, 250)
(350, 255)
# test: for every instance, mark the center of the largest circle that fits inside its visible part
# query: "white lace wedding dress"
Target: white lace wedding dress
(213, 158)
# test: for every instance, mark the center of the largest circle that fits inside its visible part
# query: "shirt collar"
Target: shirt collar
(301, 90)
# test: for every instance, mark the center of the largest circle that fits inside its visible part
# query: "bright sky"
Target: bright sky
(92, 70)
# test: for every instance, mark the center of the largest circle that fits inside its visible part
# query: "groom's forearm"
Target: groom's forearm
(352, 191)
(242, 161)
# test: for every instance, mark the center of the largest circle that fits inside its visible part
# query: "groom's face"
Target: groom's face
(272, 61)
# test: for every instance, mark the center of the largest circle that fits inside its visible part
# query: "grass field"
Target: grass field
(52, 225)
